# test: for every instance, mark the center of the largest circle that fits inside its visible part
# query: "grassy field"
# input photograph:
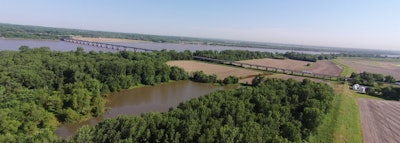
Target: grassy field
(342, 123)
(347, 70)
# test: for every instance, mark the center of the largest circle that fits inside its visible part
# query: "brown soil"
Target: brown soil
(373, 66)
(326, 67)
(220, 70)
(298, 78)
(286, 64)
(380, 120)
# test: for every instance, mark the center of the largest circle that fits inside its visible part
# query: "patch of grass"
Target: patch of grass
(347, 70)
(342, 122)
(359, 95)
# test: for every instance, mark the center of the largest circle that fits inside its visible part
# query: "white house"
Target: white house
(359, 88)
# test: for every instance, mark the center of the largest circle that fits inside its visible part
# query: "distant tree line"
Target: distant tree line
(236, 55)
(273, 111)
(308, 57)
(370, 79)
(40, 87)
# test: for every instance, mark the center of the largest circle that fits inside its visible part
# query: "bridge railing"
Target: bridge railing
(100, 44)
(274, 69)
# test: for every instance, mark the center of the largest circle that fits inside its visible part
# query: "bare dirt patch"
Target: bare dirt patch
(326, 67)
(298, 78)
(221, 71)
(380, 120)
(374, 66)
(320, 67)
(107, 39)
(286, 64)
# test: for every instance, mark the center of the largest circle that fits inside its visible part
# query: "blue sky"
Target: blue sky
(373, 24)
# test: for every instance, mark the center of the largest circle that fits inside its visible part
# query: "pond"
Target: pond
(158, 98)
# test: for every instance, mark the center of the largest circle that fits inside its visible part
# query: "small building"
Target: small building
(359, 88)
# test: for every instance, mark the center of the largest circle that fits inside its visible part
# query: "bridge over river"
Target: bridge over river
(234, 63)
(272, 69)
(106, 45)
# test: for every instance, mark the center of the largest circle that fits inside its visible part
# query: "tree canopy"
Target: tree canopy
(274, 111)
(40, 87)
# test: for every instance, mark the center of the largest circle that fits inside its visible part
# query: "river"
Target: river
(14, 44)
(158, 98)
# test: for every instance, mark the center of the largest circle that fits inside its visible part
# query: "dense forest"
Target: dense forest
(375, 85)
(40, 87)
(38, 32)
(236, 55)
(273, 111)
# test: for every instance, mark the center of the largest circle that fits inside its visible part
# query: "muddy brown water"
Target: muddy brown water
(158, 98)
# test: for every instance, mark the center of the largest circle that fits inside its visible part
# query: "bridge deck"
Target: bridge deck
(106, 45)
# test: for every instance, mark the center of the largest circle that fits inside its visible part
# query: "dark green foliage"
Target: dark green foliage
(231, 80)
(374, 83)
(257, 80)
(178, 73)
(390, 79)
(39, 87)
(200, 76)
(369, 79)
(275, 111)
(308, 57)
(236, 55)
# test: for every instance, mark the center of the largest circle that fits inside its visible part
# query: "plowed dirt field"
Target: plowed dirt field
(380, 120)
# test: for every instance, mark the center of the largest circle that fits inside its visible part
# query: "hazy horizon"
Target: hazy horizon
(353, 24)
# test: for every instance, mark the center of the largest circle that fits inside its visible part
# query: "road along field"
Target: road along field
(221, 71)
(320, 67)
(380, 120)
(374, 66)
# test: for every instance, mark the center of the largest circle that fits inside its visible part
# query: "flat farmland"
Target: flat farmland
(286, 64)
(321, 67)
(221, 71)
(380, 120)
(297, 78)
(385, 67)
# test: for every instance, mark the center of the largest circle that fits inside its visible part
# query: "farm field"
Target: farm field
(385, 67)
(298, 78)
(221, 71)
(321, 67)
(379, 120)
